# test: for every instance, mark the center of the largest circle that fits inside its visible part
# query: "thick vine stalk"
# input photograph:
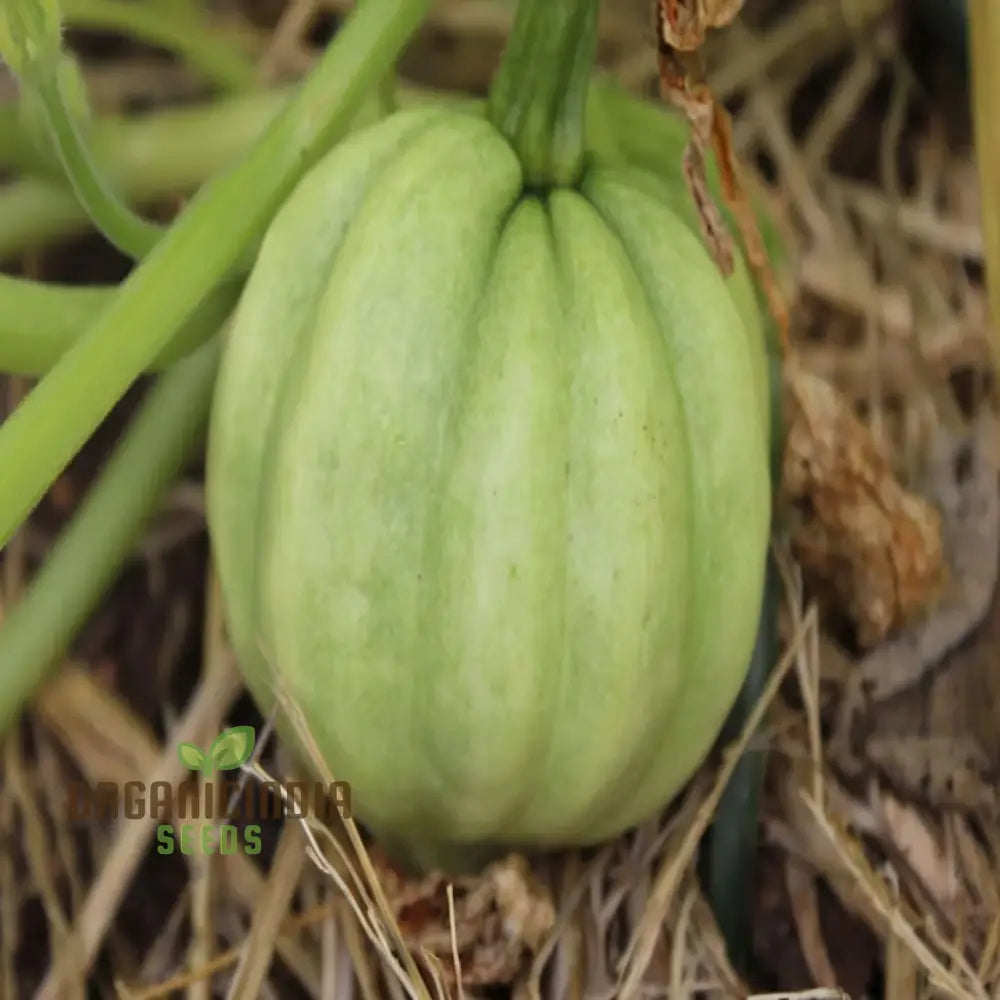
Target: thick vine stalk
(125, 230)
(167, 431)
(185, 32)
(199, 251)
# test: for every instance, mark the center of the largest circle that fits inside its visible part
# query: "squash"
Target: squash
(488, 487)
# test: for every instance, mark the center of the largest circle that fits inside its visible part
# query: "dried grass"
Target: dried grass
(887, 311)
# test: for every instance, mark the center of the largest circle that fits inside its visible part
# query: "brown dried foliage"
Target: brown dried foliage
(491, 927)
(859, 536)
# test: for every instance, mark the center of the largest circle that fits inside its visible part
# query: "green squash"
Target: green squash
(488, 487)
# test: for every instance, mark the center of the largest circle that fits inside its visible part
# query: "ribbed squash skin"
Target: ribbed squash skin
(488, 486)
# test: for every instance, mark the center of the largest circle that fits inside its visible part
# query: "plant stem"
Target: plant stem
(159, 149)
(165, 434)
(539, 93)
(32, 212)
(162, 153)
(68, 404)
(53, 88)
(159, 154)
(179, 31)
(131, 234)
(178, 148)
(146, 158)
(39, 322)
(175, 148)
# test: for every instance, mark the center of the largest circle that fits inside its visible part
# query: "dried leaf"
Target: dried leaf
(923, 709)
(713, 226)
(681, 27)
(501, 917)
(682, 83)
(685, 22)
(860, 537)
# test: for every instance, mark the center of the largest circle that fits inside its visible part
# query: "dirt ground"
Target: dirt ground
(869, 881)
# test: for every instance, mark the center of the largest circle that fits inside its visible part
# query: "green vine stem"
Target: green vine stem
(177, 149)
(161, 154)
(54, 93)
(167, 432)
(181, 6)
(205, 242)
(539, 93)
(183, 32)
(172, 147)
(131, 234)
(42, 66)
(40, 321)
(160, 148)
(34, 212)
(174, 150)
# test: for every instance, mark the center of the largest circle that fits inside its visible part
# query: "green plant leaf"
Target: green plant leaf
(192, 757)
(232, 747)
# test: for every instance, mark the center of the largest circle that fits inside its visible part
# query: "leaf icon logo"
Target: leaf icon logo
(230, 749)
(192, 757)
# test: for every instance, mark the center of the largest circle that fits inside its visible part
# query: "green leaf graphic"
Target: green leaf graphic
(232, 747)
(192, 757)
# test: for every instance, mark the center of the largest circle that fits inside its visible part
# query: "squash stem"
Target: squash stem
(538, 96)
(165, 435)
